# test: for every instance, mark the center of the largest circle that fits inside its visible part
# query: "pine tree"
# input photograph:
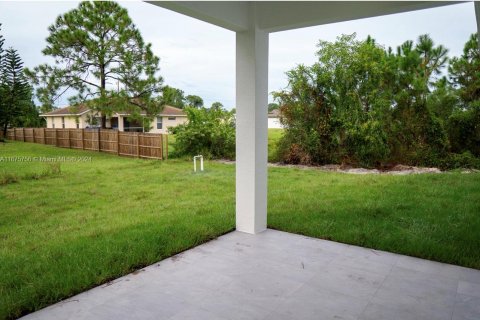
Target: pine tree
(16, 92)
(17, 97)
(100, 54)
(2, 78)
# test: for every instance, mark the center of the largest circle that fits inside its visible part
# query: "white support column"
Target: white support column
(251, 129)
(477, 16)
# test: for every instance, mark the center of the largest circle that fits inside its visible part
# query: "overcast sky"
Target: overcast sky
(199, 58)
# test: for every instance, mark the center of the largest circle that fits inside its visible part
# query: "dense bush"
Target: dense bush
(360, 104)
(210, 132)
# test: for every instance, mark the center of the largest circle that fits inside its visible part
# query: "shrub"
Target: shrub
(464, 130)
(210, 132)
(464, 160)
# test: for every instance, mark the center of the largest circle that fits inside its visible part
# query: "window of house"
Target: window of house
(159, 122)
(53, 123)
(78, 125)
(63, 122)
(171, 118)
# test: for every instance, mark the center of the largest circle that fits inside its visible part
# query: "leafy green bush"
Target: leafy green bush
(460, 160)
(464, 130)
(210, 132)
(363, 105)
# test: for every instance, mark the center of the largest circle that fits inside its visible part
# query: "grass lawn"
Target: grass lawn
(62, 233)
(274, 136)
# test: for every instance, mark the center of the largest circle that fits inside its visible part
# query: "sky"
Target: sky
(199, 58)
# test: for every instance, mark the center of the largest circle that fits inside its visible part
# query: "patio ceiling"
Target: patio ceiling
(273, 16)
(252, 22)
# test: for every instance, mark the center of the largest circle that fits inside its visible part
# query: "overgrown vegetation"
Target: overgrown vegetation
(49, 170)
(69, 232)
(210, 132)
(363, 105)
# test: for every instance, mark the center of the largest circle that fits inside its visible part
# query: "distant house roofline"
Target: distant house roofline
(168, 111)
(274, 113)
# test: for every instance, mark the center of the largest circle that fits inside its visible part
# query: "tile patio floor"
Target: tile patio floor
(277, 275)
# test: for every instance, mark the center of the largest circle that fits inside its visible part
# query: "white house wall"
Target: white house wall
(166, 123)
(274, 123)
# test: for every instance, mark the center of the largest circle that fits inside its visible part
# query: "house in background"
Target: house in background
(80, 118)
(274, 120)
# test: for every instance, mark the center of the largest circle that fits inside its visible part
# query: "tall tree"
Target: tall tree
(465, 72)
(100, 54)
(16, 92)
(216, 106)
(464, 124)
(173, 97)
(2, 75)
(194, 101)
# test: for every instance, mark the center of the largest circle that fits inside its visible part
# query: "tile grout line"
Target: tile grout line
(381, 284)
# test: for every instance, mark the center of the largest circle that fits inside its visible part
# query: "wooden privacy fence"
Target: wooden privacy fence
(134, 144)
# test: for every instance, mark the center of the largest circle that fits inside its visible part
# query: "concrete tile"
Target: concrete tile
(375, 311)
(261, 285)
(371, 255)
(140, 305)
(406, 305)
(466, 308)
(351, 281)
(433, 289)
(469, 288)
(313, 302)
(362, 263)
(470, 275)
(196, 313)
(237, 307)
(429, 267)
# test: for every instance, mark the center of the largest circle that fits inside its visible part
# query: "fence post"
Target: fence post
(69, 139)
(23, 130)
(83, 139)
(166, 147)
(44, 136)
(118, 142)
(138, 145)
(161, 145)
(14, 135)
(98, 137)
(56, 139)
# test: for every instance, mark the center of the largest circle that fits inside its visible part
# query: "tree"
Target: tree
(332, 110)
(100, 54)
(273, 106)
(464, 123)
(173, 97)
(417, 135)
(216, 106)
(465, 72)
(2, 80)
(210, 132)
(194, 101)
(16, 93)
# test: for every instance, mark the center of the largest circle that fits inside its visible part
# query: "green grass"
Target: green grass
(64, 232)
(274, 136)
(95, 221)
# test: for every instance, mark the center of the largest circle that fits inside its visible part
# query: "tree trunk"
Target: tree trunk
(5, 126)
(103, 85)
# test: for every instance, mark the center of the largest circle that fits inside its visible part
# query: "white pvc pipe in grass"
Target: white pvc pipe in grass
(195, 163)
